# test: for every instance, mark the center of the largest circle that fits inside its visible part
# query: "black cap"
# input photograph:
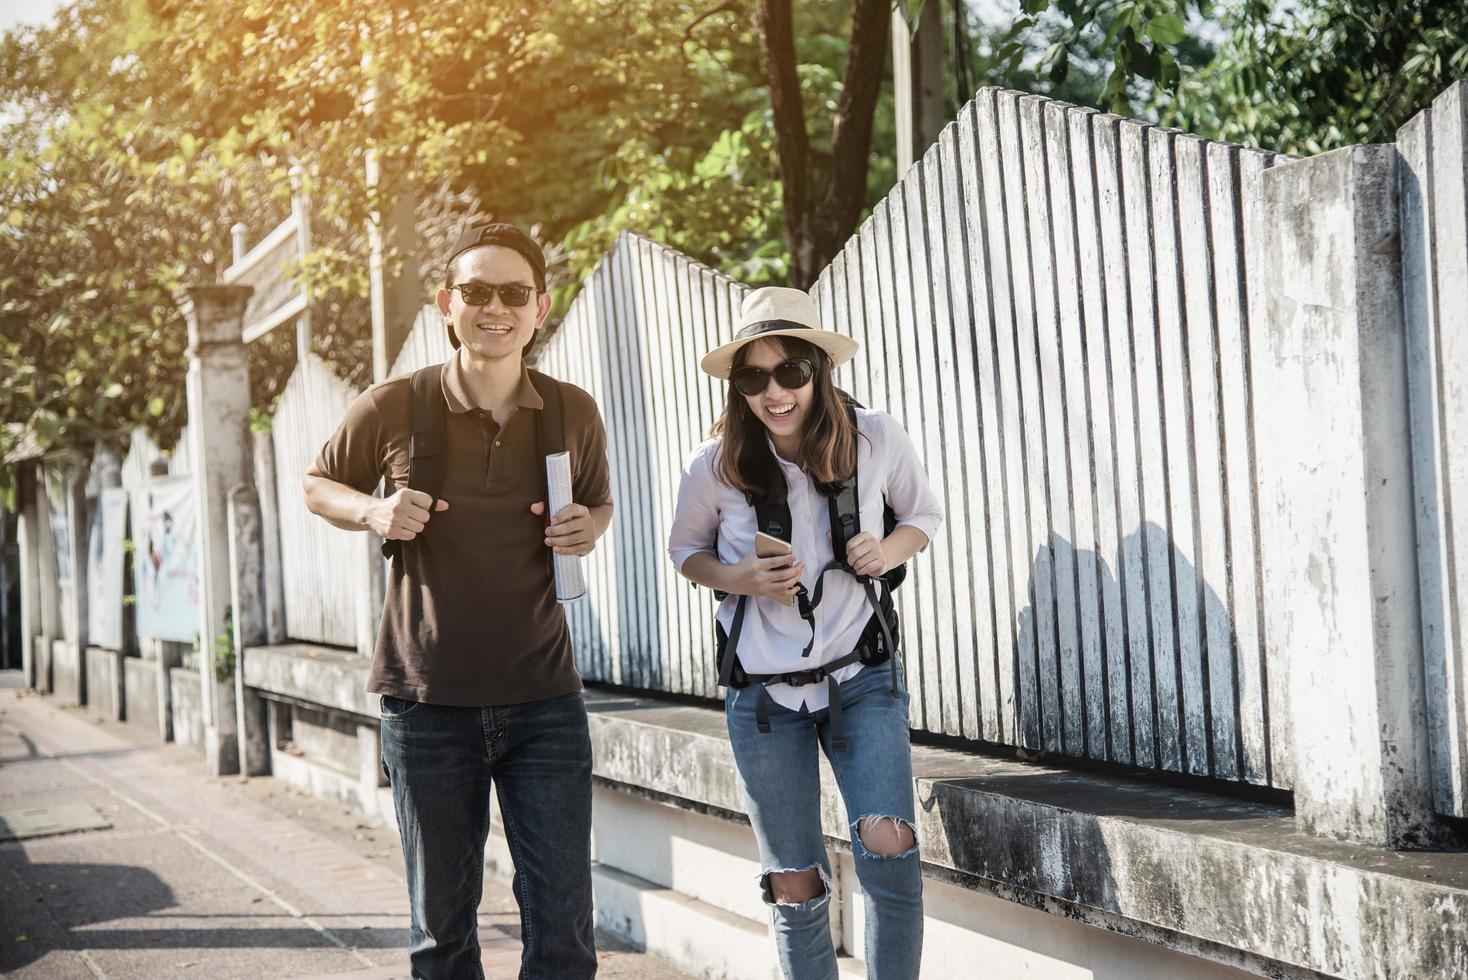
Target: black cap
(505, 235)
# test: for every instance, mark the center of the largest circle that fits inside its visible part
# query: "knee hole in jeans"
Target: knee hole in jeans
(885, 837)
(793, 887)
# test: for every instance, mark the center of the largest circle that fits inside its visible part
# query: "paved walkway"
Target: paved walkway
(202, 877)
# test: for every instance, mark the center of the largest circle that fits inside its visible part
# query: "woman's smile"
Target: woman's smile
(780, 411)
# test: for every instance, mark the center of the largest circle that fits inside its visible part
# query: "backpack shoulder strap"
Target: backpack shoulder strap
(427, 459)
(550, 434)
(427, 436)
(842, 505)
(774, 519)
(550, 423)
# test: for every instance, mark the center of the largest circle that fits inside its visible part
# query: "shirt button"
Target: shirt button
(496, 442)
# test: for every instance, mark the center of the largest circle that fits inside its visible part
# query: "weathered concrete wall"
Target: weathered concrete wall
(104, 682)
(1339, 562)
(1229, 880)
(66, 671)
(328, 738)
(684, 884)
(318, 705)
(140, 694)
(311, 674)
(186, 709)
(41, 655)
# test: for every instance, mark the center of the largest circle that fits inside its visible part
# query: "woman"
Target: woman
(810, 672)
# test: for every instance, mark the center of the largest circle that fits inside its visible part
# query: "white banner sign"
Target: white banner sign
(104, 569)
(166, 561)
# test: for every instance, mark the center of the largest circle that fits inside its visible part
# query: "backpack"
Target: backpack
(878, 643)
(427, 444)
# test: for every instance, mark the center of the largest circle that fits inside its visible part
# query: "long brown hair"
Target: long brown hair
(827, 440)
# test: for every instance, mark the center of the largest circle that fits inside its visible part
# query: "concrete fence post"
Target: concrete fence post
(28, 540)
(1335, 470)
(247, 599)
(219, 433)
(266, 495)
(76, 610)
(49, 593)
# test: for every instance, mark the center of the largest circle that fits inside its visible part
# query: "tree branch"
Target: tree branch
(727, 7)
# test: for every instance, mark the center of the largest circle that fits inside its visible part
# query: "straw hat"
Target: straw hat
(776, 311)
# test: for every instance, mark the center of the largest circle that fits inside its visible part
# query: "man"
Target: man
(473, 660)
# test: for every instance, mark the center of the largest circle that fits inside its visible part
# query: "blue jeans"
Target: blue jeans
(782, 787)
(441, 762)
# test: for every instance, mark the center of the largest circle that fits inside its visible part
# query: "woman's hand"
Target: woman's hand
(866, 556)
(773, 578)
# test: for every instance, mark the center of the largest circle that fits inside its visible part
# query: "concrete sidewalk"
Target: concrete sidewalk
(171, 873)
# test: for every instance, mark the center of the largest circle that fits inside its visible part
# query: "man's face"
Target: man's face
(494, 330)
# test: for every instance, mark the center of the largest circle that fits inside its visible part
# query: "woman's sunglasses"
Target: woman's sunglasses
(482, 294)
(794, 373)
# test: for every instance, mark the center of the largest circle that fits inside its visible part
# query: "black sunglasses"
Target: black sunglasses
(794, 373)
(513, 295)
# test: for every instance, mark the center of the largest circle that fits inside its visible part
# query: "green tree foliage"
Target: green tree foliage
(134, 133)
(1319, 74)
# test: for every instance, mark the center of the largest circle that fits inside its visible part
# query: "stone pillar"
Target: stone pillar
(28, 540)
(1336, 504)
(247, 599)
(219, 433)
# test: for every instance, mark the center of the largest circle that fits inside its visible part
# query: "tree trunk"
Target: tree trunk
(815, 232)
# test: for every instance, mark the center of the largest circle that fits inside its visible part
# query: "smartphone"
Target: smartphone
(769, 546)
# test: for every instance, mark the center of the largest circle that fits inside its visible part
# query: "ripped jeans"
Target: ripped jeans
(781, 782)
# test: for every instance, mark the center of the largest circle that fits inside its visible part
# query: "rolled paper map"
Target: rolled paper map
(570, 585)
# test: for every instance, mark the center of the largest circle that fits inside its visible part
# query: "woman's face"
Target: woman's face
(782, 411)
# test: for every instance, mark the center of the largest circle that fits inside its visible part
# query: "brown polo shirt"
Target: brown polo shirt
(470, 616)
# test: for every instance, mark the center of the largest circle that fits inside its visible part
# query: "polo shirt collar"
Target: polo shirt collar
(456, 392)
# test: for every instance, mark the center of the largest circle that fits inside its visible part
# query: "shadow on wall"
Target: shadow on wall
(1145, 671)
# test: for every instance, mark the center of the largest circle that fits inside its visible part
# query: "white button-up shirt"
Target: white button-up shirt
(716, 518)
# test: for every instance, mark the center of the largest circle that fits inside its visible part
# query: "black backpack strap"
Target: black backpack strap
(427, 456)
(549, 424)
(731, 645)
(774, 519)
(550, 433)
(838, 726)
